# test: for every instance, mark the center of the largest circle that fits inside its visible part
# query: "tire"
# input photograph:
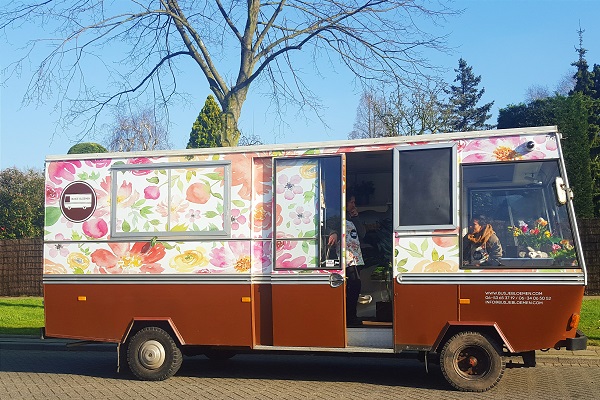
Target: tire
(153, 355)
(472, 362)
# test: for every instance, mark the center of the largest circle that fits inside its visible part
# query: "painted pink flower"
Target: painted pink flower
(103, 198)
(59, 170)
(126, 197)
(123, 258)
(261, 252)
(233, 255)
(289, 186)
(284, 261)
(236, 219)
(95, 228)
(152, 192)
(301, 216)
(499, 149)
(60, 248)
(193, 215)
(174, 210)
(98, 163)
(281, 245)
(241, 174)
(52, 193)
(140, 160)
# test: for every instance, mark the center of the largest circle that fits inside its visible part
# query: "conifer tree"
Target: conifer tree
(206, 131)
(464, 115)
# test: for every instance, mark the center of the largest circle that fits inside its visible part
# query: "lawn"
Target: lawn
(21, 315)
(25, 316)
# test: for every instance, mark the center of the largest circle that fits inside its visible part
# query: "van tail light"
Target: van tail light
(574, 321)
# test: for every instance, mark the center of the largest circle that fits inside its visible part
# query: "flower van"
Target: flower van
(228, 250)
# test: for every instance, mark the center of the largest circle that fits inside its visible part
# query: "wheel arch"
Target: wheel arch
(490, 329)
(139, 323)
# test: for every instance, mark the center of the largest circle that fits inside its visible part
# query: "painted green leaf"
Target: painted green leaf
(210, 214)
(402, 262)
(139, 203)
(126, 227)
(238, 203)
(435, 255)
(188, 175)
(95, 175)
(441, 258)
(179, 228)
(82, 176)
(414, 253)
(424, 245)
(180, 186)
(310, 234)
(401, 270)
(52, 215)
(76, 236)
(153, 180)
(214, 176)
(413, 247)
(217, 195)
(305, 247)
(78, 270)
(396, 252)
(220, 208)
(162, 171)
(155, 222)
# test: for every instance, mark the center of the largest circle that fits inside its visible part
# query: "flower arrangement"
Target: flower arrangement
(539, 237)
(535, 237)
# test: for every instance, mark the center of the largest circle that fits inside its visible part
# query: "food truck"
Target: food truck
(225, 250)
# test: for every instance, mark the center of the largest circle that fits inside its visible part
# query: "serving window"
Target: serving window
(425, 187)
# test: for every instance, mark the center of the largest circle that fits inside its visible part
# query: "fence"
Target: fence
(21, 267)
(21, 262)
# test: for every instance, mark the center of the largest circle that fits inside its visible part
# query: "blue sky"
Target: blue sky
(512, 44)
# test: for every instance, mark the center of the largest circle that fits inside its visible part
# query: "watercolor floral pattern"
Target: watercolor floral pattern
(159, 199)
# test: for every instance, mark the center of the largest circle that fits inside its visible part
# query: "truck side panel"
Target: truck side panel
(203, 314)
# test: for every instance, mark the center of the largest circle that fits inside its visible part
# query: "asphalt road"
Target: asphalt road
(39, 374)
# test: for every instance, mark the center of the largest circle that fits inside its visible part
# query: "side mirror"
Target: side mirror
(560, 190)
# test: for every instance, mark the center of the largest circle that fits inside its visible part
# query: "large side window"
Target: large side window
(171, 199)
(517, 200)
(425, 187)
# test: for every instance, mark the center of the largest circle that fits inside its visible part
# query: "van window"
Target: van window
(171, 199)
(518, 201)
(425, 187)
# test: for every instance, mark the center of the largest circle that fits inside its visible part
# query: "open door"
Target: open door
(307, 291)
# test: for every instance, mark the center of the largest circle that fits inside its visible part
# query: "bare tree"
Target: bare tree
(402, 113)
(137, 131)
(375, 39)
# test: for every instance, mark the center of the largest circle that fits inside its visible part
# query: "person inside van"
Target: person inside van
(355, 231)
(481, 246)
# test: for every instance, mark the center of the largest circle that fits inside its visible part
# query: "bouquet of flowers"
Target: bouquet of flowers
(535, 237)
(563, 251)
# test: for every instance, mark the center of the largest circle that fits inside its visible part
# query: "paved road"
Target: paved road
(35, 374)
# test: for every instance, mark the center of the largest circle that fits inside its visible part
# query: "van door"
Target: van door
(307, 282)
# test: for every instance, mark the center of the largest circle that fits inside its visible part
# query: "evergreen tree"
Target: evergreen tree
(584, 82)
(464, 115)
(206, 131)
(570, 114)
(87, 147)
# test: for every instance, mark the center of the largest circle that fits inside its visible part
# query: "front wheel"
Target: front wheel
(472, 362)
(153, 355)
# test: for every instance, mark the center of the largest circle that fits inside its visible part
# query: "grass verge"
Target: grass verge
(25, 316)
(21, 315)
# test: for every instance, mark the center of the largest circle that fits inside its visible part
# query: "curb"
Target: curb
(24, 342)
(590, 356)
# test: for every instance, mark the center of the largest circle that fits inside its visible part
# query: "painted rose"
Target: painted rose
(52, 193)
(103, 198)
(95, 228)
(78, 262)
(263, 217)
(198, 193)
(152, 192)
(50, 267)
(289, 186)
(445, 241)
(189, 260)
(283, 261)
(124, 258)
(140, 160)
(232, 257)
(59, 170)
(261, 260)
(429, 266)
(263, 170)
(98, 163)
(241, 175)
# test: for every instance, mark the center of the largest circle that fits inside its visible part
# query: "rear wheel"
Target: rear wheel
(153, 355)
(472, 362)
